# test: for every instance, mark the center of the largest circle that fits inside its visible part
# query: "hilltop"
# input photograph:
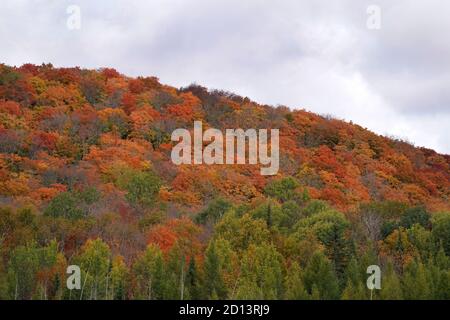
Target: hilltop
(69, 128)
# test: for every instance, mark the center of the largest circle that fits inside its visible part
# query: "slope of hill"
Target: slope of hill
(86, 174)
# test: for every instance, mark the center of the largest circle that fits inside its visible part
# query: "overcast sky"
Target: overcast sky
(318, 55)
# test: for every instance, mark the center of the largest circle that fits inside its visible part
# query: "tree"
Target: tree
(416, 282)
(284, 190)
(415, 215)
(355, 288)
(94, 261)
(22, 269)
(441, 230)
(329, 226)
(214, 212)
(262, 265)
(51, 273)
(72, 205)
(117, 290)
(319, 275)
(149, 270)
(193, 281)
(243, 231)
(214, 286)
(295, 289)
(142, 187)
(390, 287)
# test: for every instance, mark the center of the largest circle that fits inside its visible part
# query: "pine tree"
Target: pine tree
(416, 282)
(213, 277)
(295, 290)
(193, 281)
(390, 285)
(355, 288)
(319, 273)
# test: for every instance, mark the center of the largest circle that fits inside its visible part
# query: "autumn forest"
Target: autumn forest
(86, 179)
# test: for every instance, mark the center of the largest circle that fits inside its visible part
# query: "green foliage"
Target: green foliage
(142, 187)
(415, 215)
(241, 232)
(94, 261)
(294, 287)
(214, 285)
(441, 230)
(193, 282)
(72, 204)
(214, 212)
(23, 266)
(416, 282)
(355, 288)
(65, 205)
(262, 265)
(149, 273)
(284, 190)
(320, 279)
(119, 279)
(329, 226)
(391, 287)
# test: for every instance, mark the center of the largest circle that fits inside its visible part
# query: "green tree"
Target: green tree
(142, 188)
(329, 226)
(242, 231)
(319, 274)
(391, 288)
(416, 282)
(295, 290)
(285, 189)
(415, 215)
(214, 285)
(119, 279)
(66, 205)
(355, 288)
(441, 230)
(148, 271)
(193, 281)
(214, 212)
(23, 266)
(263, 265)
(94, 261)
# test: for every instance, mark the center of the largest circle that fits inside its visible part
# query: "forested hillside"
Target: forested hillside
(86, 178)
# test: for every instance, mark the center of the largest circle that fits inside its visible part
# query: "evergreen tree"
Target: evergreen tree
(213, 278)
(263, 266)
(319, 274)
(355, 288)
(295, 290)
(390, 285)
(193, 281)
(416, 282)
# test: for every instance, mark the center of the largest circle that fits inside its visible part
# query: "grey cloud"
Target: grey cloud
(316, 54)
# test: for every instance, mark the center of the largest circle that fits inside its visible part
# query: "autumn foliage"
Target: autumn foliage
(86, 175)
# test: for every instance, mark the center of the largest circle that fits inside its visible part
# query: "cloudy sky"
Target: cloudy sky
(319, 54)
